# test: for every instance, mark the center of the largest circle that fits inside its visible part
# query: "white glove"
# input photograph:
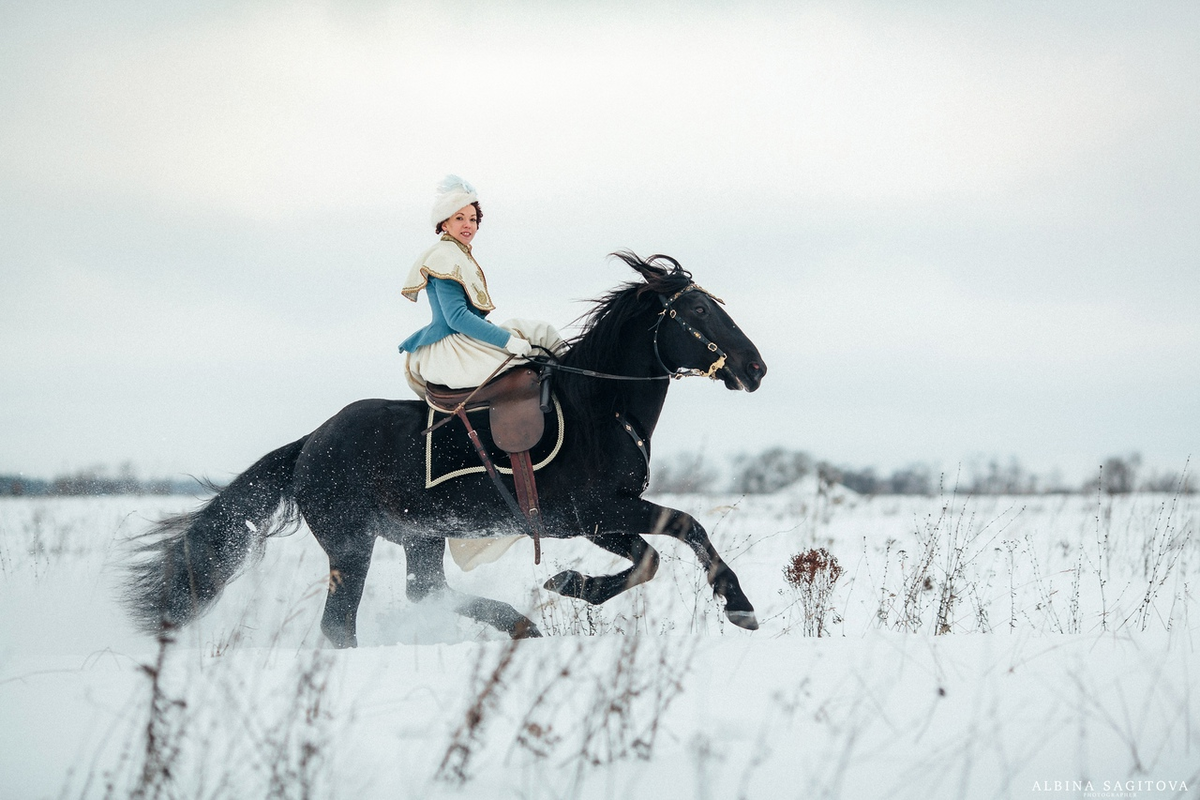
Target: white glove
(518, 346)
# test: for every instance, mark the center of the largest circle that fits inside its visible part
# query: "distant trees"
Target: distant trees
(863, 481)
(993, 477)
(1171, 483)
(1118, 475)
(913, 479)
(18, 485)
(1121, 474)
(770, 470)
(683, 473)
(779, 467)
(95, 481)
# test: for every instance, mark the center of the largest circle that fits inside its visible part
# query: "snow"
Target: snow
(1067, 658)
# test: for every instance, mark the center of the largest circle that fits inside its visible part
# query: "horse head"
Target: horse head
(694, 335)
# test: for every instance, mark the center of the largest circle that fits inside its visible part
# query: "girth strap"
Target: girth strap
(527, 498)
(526, 507)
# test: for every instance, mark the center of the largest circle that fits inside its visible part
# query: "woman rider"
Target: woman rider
(459, 348)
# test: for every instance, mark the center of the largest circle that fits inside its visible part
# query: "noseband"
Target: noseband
(709, 344)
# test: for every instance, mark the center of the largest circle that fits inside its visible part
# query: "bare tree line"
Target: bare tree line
(96, 480)
(779, 467)
(762, 473)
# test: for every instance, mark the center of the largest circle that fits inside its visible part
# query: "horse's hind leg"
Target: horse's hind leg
(597, 590)
(349, 547)
(427, 576)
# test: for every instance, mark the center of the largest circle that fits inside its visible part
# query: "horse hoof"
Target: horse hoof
(526, 630)
(568, 583)
(339, 637)
(743, 619)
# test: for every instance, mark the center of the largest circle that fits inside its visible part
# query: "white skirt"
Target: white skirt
(461, 362)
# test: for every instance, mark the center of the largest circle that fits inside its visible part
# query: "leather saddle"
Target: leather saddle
(513, 400)
(516, 401)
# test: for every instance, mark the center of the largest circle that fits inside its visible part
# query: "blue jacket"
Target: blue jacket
(453, 314)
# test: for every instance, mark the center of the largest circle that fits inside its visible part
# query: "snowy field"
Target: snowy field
(972, 647)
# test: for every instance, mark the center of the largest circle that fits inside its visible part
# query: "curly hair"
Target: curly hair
(478, 218)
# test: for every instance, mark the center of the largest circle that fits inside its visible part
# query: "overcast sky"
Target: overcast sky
(954, 230)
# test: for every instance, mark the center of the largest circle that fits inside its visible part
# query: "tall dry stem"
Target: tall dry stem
(813, 574)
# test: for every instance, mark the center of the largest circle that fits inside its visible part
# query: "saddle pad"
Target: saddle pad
(449, 453)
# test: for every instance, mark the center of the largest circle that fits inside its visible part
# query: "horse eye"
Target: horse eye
(700, 310)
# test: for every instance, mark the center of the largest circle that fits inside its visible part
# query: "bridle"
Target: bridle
(668, 311)
(525, 505)
(709, 344)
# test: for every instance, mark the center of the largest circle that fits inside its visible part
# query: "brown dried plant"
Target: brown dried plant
(813, 574)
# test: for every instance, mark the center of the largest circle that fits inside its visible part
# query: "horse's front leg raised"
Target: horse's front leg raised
(675, 523)
(622, 523)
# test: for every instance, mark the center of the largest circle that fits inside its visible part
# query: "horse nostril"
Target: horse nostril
(757, 369)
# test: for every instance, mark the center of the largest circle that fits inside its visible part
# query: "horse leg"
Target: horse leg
(723, 580)
(427, 576)
(597, 590)
(347, 575)
(642, 516)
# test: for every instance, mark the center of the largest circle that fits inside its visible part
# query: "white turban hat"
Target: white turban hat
(452, 194)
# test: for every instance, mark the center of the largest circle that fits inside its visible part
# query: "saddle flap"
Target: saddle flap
(514, 403)
(516, 415)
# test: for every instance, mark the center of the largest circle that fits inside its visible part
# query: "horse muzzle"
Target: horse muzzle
(746, 375)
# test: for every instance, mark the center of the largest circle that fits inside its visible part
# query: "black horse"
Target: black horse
(361, 475)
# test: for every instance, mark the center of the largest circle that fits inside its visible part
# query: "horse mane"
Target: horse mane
(600, 341)
(603, 341)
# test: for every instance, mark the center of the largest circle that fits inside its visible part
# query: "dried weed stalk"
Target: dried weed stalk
(164, 731)
(296, 746)
(626, 710)
(813, 574)
(467, 738)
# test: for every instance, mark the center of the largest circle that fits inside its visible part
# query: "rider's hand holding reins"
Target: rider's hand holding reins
(518, 346)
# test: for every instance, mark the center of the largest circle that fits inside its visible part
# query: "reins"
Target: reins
(525, 506)
(669, 374)
(547, 362)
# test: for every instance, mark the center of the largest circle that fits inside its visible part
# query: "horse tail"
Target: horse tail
(188, 559)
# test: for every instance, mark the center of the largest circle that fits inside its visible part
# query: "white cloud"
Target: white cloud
(283, 109)
(964, 198)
